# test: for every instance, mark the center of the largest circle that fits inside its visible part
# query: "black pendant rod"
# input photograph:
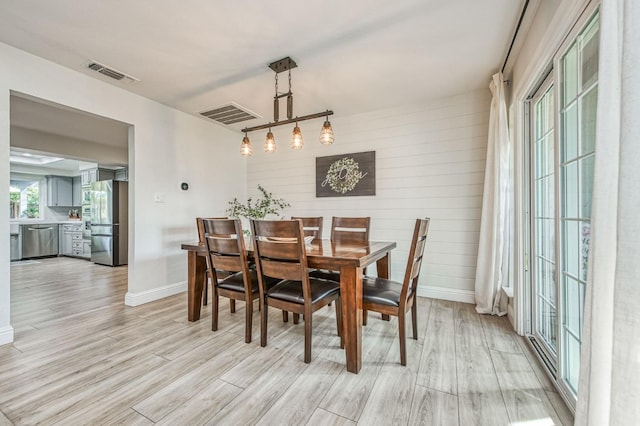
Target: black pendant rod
(293, 120)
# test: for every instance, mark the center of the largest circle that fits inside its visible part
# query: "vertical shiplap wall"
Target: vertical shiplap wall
(430, 161)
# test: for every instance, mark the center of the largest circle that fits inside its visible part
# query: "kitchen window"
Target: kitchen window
(24, 199)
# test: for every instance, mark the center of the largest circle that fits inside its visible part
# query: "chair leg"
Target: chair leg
(264, 312)
(285, 316)
(414, 319)
(232, 306)
(307, 338)
(402, 331)
(365, 315)
(296, 318)
(205, 290)
(248, 321)
(214, 311)
(339, 321)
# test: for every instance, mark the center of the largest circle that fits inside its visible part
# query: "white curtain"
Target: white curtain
(492, 266)
(609, 389)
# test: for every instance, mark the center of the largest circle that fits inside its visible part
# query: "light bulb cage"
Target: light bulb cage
(297, 141)
(245, 148)
(326, 134)
(270, 142)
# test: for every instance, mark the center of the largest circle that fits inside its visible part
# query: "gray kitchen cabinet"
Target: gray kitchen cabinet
(86, 249)
(16, 246)
(71, 240)
(59, 191)
(77, 191)
(122, 174)
(96, 175)
(66, 240)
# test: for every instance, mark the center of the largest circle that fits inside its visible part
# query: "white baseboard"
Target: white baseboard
(136, 299)
(453, 294)
(6, 335)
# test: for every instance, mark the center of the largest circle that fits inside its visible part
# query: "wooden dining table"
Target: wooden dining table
(349, 259)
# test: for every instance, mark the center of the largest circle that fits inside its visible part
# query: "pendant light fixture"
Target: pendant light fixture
(296, 138)
(245, 148)
(297, 141)
(326, 134)
(270, 143)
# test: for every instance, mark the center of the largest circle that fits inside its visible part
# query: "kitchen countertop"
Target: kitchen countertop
(44, 222)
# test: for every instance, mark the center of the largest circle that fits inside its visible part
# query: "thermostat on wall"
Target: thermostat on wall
(184, 186)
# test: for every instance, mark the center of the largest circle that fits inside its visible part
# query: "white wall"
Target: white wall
(430, 161)
(166, 147)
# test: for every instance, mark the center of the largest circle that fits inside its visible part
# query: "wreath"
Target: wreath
(343, 175)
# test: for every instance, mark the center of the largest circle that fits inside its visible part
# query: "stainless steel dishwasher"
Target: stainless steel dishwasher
(39, 240)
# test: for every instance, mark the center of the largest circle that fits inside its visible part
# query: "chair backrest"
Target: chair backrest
(225, 248)
(350, 229)
(414, 262)
(312, 226)
(280, 253)
(201, 228)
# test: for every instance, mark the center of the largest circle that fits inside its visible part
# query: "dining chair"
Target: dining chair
(226, 253)
(205, 288)
(350, 230)
(280, 253)
(393, 298)
(312, 226)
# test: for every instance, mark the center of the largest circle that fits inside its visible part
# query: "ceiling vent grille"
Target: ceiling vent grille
(110, 72)
(229, 114)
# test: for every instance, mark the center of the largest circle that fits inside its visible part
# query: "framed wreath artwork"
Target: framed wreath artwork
(346, 175)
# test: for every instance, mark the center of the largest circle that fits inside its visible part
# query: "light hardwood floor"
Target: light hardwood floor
(81, 357)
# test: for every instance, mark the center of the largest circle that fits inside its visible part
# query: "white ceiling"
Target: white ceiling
(353, 56)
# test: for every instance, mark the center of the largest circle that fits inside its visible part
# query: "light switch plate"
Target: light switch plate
(158, 197)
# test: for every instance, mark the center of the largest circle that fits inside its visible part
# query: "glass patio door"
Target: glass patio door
(563, 122)
(545, 289)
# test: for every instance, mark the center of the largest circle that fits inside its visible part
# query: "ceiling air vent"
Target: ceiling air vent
(229, 114)
(110, 72)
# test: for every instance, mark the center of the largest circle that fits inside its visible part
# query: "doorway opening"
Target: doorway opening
(56, 154)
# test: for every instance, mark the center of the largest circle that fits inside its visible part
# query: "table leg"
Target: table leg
(382, 266)
(195, 277)
(351, 294)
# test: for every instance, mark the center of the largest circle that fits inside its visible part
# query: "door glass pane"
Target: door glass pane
(571, 247)
(577, 143)
(572, 361)
(588, 106)
(589, 43)
(570, 133)
(569, 190)
(586, 185)
(544, 275)
(570, 75)
(585, 242)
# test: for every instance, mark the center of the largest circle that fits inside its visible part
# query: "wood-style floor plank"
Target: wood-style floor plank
(81, 356)
(479, 398)
(4, 421)
(299, 402)
(523, 395)
(432, 408)
(497, 332)
(325, 418)
(438, 364)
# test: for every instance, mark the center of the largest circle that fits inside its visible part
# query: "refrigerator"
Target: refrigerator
(109, 222)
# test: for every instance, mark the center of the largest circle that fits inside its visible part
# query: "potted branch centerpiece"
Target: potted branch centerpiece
(258, 208)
